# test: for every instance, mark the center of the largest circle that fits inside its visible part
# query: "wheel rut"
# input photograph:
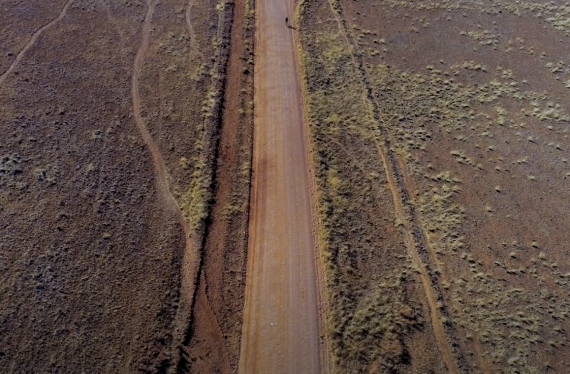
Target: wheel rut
(188, 16)
(423, 258)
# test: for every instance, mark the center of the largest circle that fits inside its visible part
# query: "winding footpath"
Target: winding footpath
(32, 41)
(160, 171)
(189, 267)
(281, 320)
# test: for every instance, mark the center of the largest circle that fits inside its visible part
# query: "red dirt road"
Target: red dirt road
(281, 323)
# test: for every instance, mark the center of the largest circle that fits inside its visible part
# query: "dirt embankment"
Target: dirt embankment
(213, 340)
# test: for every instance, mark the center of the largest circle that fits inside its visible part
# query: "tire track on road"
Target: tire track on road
(281, 315)
(32, 41)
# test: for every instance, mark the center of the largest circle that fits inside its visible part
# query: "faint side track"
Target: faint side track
(422, 256)
(113, 20)
(191, 30)
(33, 40)
(214, 333)
(190, 266)
(158, 162)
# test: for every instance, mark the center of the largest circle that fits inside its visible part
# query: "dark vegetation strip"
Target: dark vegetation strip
(213, 127)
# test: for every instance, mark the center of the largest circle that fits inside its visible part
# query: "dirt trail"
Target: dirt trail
(411, 246)
(190, 258)
(420, 253)
(33, 41)
(281, 323)
(191, 30)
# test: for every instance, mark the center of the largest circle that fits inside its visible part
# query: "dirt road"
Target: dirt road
(280, 332)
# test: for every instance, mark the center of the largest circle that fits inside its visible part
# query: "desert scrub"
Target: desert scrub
(374, 307)
(509, 321)
(182, 89)
(356, 104)
(413, 105)
(196, 199)
(10, 167)
(483, 37)
(442, 217)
